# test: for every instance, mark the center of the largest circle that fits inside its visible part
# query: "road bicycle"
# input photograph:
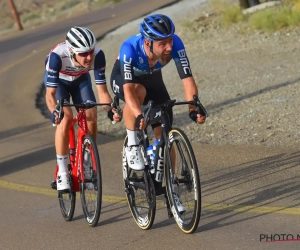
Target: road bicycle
(84, 168)
(175, 171)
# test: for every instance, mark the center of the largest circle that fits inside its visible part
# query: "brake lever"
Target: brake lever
(116, 105)
(59, 108)
(200, 108)
(146, 115)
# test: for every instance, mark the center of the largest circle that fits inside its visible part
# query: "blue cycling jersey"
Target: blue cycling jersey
(134, 61)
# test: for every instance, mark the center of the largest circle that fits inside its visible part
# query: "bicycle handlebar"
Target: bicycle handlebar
(61, 104)
(116, 106)
(195, 102)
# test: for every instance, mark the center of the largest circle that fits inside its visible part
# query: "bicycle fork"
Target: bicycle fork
(167, 204)
(150, 199)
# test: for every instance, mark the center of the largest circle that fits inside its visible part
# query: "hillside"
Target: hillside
(36, 12)
(248, 80)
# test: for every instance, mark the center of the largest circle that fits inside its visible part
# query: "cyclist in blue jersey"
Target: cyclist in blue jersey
(136, 78)
(67, 75)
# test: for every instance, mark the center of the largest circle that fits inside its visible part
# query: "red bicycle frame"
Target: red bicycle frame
(75, 149)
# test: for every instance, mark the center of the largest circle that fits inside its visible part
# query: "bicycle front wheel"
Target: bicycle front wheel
(183, 181)
(91, 185)
(142, 203)
(67, 201)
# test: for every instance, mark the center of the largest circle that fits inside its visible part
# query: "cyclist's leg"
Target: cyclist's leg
(62, 130)
(163, 96)
(157, 92)
(129, 117)
(83, 93)
(62, 137)
(132, 149)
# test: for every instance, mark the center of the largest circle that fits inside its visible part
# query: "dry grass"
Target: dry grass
(271, 20)
(284, 15)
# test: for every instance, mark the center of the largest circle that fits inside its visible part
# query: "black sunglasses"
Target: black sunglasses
(85, 54)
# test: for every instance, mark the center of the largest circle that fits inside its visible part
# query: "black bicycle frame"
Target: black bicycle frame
(166, 128)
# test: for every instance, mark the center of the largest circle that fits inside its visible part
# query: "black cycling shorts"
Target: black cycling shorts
(153, 83)
(80, 89)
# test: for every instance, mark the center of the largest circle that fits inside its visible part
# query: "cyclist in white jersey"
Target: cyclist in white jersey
(67, 75)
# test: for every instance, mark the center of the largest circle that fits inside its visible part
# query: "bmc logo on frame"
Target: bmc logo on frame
(279, 237)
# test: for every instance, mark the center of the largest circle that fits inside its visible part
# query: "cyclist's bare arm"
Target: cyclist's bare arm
(51, 104)
(51, 99)
(104, 96)
(190, 89)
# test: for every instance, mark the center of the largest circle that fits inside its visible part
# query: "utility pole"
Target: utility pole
(253, 2)
(15, 14)
(244, 4)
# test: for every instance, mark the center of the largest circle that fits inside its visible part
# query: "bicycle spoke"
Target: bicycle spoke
(183, 183)
(137, 197)
(67, 204)
(91, 186)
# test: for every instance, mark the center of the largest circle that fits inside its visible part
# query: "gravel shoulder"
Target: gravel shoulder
(248, 80)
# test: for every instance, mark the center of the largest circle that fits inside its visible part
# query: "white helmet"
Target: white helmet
(80, 39)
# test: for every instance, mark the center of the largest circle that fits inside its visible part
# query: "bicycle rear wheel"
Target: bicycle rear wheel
(183, 181)
(142, 204)
(91, 186)
(67, 201)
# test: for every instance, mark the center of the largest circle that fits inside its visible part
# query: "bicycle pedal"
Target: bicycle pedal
(53, 185)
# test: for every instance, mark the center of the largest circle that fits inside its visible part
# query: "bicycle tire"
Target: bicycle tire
(184, 178)
(67, 201)
(91, 189)
(142, 213)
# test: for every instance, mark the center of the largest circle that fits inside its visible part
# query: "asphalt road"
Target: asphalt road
(248, 192)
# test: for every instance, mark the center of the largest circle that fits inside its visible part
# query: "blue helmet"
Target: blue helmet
(157, 27)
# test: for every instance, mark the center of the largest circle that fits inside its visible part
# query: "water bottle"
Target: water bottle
(150, 155)
(154, 149)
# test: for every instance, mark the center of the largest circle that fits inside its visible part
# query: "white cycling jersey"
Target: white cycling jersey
(60, 66)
